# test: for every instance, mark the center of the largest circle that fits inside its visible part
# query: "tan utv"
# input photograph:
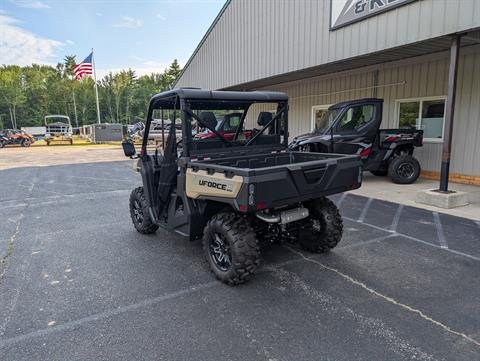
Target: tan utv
(236, 194)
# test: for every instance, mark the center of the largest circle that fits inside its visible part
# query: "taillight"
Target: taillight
(261, 205)
(365, 152)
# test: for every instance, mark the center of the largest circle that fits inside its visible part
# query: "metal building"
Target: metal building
(326, 51)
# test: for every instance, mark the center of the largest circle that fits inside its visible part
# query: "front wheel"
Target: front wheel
(231, 248)
(2, 144)
(139, 212)
(404, 169)
(26, 143)
(323, 229)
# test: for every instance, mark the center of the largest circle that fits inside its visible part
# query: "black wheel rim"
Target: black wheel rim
(406, 170)
(220, 252)
(137, 212)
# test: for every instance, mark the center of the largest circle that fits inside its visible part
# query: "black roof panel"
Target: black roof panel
(205, 94)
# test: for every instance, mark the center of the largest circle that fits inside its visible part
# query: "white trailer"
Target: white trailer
(35, 131)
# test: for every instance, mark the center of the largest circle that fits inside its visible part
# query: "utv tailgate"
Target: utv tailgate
(278, 178)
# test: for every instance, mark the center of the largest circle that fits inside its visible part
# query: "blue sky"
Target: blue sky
(145, 35)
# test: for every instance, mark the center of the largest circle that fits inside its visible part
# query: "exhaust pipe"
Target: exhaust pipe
(283, 217)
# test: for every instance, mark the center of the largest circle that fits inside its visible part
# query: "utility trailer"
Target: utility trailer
(237, 194)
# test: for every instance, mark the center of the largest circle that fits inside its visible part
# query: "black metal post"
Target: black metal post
(163, 130)
(449, 112)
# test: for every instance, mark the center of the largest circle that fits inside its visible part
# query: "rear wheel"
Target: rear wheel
(404, 169)
(323, 228)
(139, 212)
(71, 141)
(379, 173)
(231, 248)
(26, 143)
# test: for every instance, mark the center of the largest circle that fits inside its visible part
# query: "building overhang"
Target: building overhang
(430, 46)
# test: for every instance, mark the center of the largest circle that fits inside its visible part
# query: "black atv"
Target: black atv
(237, 193)
(353, 127)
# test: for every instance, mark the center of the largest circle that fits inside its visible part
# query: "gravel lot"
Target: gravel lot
(79, 283)
(43, 156)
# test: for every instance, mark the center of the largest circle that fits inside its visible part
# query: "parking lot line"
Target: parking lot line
(342, 198)
(365, 210)
(396, 218)
(440, 234)
(387, 298)
(419, 240)
(377, 239)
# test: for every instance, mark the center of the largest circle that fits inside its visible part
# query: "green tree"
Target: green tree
(12, 90)
(69, 63)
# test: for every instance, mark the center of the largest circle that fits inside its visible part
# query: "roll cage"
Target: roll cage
(185, 101)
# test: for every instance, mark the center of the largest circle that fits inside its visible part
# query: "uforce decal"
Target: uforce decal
(217, 185)
(345, 12)
(201, 184)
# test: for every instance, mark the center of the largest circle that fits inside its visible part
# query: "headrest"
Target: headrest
(264, 118)
(208, 118)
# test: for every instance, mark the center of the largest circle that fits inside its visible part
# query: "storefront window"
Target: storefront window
(425, 114)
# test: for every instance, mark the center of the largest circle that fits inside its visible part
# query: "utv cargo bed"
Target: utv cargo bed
(273, 179)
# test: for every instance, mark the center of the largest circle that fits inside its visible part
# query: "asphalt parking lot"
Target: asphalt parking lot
(77, 282)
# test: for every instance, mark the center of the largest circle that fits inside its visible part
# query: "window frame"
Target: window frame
(421, 100)
(315, 108)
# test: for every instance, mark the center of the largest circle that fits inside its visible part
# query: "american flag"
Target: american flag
(84, 68)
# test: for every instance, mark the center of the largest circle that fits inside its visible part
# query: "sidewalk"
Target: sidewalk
(382, 188)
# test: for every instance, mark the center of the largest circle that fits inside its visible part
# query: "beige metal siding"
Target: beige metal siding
(421, 77)
(256, 39)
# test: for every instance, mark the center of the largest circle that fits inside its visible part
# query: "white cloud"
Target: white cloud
(69, 42)
(99, 14)
(156, 64)
(129, 22)
(161, 17)
(146, 68)
(31, 4)
(22, 47)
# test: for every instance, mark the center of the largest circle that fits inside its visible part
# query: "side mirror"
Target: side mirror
(129, 148)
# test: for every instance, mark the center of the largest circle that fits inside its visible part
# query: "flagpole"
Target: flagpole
(74, 102)
(75, 107)
(96, 89)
